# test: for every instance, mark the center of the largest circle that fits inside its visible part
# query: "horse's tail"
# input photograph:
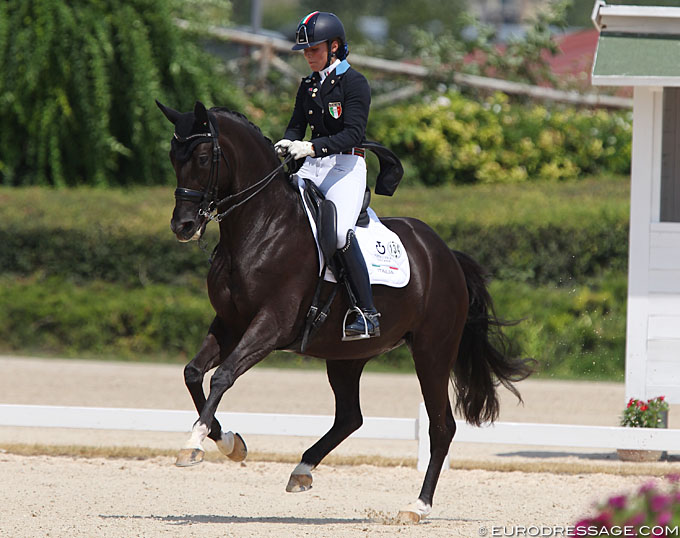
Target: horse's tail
(483, 360)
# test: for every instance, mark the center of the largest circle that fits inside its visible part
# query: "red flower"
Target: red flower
(618, 502)
(644, 408)
(661, 398)
(631, 402)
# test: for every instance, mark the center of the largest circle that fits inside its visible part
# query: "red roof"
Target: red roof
(577, 51)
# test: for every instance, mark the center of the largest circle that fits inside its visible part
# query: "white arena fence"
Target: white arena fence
(406, 429)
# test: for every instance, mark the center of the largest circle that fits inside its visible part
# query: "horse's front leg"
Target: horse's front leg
(255, 344)
(216, 345)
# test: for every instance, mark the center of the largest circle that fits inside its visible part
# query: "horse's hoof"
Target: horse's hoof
(240, 451)
(406, 516)
(189, 456)
(299, 482)
(232, 446)
(414, 512)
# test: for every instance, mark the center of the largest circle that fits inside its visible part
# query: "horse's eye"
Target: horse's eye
(203, 159)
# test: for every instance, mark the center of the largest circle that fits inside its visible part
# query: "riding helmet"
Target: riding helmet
(317, 27)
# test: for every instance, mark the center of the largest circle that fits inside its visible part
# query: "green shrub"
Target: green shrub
(573, 333)
(454, 139)
(56, 316)
(533, 233)
(78, 88)
(577, 331)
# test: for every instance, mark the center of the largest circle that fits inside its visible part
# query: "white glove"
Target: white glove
(301, 149)
(282, 146)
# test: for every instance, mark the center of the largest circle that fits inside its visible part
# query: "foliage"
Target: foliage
(649, 414)
(78, 85)
(522, 58)
(55, 316)
(457, 140)
(572, 334)
(539, 233)
(435, 16)
(654, 510)
(97, 272)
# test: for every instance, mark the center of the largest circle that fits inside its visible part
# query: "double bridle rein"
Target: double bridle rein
(209, 203)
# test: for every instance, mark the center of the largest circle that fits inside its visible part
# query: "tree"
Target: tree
(79, 83)
(435, 16)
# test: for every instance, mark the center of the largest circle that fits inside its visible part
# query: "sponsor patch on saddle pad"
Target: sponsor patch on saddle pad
(385, 255)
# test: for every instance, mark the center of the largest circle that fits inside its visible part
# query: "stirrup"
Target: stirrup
(349, 337)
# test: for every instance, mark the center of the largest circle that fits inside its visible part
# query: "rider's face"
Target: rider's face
(317, 56)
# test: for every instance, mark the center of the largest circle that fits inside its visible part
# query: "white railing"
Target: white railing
(407, 429)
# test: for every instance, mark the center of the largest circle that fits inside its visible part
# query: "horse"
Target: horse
(261, 283)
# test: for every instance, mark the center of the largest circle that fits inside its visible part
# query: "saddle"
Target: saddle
(325, 217)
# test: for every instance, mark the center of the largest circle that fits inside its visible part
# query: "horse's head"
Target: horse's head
(195, 155)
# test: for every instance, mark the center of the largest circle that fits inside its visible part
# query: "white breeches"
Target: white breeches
(342, 179)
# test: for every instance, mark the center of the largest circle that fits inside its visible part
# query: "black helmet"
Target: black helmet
(317, 27)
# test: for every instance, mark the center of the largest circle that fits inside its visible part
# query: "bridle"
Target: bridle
(209, 205)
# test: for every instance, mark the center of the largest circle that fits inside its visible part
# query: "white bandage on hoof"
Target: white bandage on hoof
(414, 512)
(198, 435)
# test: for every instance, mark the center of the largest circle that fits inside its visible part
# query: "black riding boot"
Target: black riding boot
(366, 324)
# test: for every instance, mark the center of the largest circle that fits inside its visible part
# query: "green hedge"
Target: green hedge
(87, 272)
(547, 233)
(531, 254)
(57, 316)
(572, 332)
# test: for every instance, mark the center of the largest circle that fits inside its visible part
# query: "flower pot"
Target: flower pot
(626, 454)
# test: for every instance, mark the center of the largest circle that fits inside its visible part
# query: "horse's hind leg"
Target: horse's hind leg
(433, 368)
(343, 376)
(208, 357)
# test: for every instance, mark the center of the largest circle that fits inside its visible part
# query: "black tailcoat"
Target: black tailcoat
(336, 111)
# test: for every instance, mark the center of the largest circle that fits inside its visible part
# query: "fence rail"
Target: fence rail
(269, 46)
(407, 429)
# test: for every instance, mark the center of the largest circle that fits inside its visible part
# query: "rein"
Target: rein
(209, 205)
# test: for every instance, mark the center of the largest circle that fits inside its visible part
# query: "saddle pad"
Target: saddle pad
(385, 255)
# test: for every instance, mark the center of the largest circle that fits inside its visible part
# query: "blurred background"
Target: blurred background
(486, 103)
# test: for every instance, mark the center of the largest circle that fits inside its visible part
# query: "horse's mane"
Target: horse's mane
(244, 119)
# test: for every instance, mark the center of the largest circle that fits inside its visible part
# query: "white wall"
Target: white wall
(653, 324)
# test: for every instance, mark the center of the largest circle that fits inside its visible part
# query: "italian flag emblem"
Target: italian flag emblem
(335, 109)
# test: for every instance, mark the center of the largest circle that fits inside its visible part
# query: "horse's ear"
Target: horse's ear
(169, 113)
(200, 113)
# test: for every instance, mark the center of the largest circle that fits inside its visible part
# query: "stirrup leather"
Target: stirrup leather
(365, 317)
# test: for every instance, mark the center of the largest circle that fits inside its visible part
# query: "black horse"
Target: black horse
(262, 280)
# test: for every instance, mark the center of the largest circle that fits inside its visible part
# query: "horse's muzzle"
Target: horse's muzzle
(187, 228)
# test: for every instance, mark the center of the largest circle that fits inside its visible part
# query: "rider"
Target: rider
(334, 101)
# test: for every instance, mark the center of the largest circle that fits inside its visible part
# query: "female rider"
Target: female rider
(334, 101)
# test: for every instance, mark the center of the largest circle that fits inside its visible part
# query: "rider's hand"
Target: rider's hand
(282, 147)
(301, 149)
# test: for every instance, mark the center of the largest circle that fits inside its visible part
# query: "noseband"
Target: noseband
(207, 199)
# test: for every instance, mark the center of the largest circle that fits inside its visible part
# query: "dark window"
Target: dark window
(670, 156)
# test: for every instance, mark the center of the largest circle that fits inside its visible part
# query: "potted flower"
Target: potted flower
(640, 414)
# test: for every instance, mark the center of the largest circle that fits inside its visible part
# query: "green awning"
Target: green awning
(637, 59)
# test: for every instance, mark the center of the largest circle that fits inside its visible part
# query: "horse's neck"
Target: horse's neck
(272, 213)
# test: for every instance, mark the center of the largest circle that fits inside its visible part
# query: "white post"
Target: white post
(645, 153)
(423, 429)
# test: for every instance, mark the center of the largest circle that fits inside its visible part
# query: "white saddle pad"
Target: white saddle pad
(385, 255)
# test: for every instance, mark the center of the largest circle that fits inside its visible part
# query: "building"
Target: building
(639, 46)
